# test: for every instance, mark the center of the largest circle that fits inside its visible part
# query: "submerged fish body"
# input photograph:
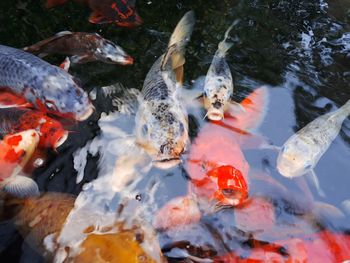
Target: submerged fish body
(301, 152)
(161, 120)
(324, 246)
(218, 86)
(14, 120)
(40, 220)
(83, 47)
(216, 166)
(15, 151)
(45, 86)
(121, 12)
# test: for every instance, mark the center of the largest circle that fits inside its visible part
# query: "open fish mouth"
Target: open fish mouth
(167, 163)
(215, 114)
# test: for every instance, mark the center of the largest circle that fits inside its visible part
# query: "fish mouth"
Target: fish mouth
(61, 140)
(165, 164)
(127, 60)
(86, 115)
(215, 114)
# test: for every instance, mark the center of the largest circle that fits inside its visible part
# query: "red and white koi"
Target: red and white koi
(15, 151)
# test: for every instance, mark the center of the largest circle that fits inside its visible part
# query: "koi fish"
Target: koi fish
(15, 151)
(324, 246)
(161, 120)
(218, 85)
(14, 120)
(216, 163)
(216, 166)
(40, 221)
(300, 153)
(121, 12)
(47, 87)
(82, 47)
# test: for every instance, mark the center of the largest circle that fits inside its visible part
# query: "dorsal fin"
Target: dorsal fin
(178, 40)
(36, 48)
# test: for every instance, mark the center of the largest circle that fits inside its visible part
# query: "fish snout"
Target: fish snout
(127, 60)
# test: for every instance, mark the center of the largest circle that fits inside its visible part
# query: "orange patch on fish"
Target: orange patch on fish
(12, 156)
(14, 140)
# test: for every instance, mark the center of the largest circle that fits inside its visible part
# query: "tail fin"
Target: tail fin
(255, 105)
(177, 43)
(225, 44)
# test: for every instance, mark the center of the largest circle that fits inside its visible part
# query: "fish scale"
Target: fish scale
(154, 87)
(161, 120)
(46, 86)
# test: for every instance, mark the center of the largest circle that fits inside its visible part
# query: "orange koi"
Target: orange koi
(121, 12)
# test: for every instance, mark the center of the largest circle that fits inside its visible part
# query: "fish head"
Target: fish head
(52, 134)
(294, 159)
(232, 186)
(63, 97)
(109, 52)
(162, 132)
(216, 97)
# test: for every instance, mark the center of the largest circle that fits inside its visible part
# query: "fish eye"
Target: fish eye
(229, 193)
(50, 105)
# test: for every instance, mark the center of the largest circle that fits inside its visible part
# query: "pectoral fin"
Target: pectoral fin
(20, 186)
(65, 64)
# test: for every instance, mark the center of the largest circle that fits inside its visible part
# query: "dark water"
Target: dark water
(301, 49)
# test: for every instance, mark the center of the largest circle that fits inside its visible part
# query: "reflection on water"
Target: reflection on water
(299, 49)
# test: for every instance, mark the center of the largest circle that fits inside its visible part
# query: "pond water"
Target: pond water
(299, 49)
